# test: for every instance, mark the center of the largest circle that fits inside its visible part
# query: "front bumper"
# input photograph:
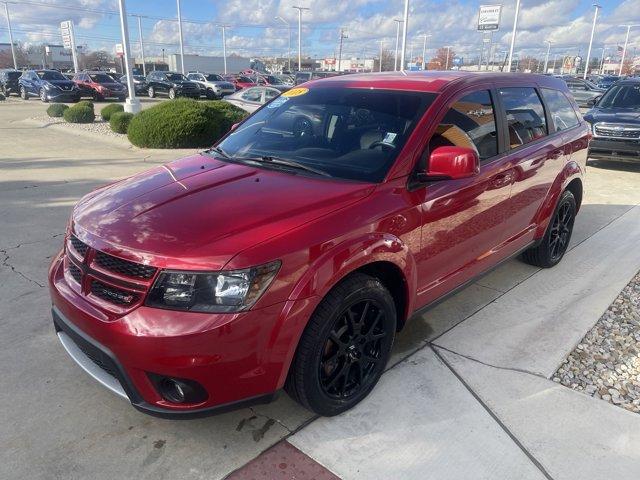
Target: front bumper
(63, 95)
(618, 149)
(239, 359)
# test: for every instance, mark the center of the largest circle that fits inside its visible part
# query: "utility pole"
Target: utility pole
(602, 61)
(381, 45)
(513, 34)
(424, 51)
(624, 50)
(13, 48)
(342, 37)
(404, 35)
(181, 40)
(546, 58)
(289, 47)
(144, 66)
(224, 47)
(448, 52)
(395, 61)
(300, 9)
(132, 104)
(555, 57)
(593, 31)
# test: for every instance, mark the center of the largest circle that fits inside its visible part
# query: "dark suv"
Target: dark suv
(172, 84)
(615, 122)
(9, 82)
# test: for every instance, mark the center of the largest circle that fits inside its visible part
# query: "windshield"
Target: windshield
(274, 80)
(101, 78)
(621, 96)
(176, 77)
(212, 77)
(349, 133)
(13, 75)
(46, 75)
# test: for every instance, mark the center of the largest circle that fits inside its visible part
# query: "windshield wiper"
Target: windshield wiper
(286, 163)
(220, 152)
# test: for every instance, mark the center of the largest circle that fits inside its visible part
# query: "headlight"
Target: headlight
(232, 291)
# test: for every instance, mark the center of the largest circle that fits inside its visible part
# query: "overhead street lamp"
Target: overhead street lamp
(424, 51)
(593, 30)
(395, 61)
(144, 66)
(224, 47)
(626, 42)
(381, 51)
(300, 9)
(181, 41)
(289, 47)
(404, 34)
(13, 48)
(546, 58)
(513, 34)
(132, 104)
(448, 53)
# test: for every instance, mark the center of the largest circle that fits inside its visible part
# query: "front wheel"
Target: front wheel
(172, 93)
(556, 239)
(24, 94)
(151, 92)
(345, 346)
(43, 96)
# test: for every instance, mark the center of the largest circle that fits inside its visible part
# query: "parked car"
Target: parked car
(607, 81)
(615, 120)
(277, 260)
(9, 81)
(251, 99)
(301, 77)
(583, 90)
(288, 80)
(214, 85)
(100, 86)
(172, 84)
(271, 81)
(114, 75)
(49, 85)
(240, 81)
(139, 83)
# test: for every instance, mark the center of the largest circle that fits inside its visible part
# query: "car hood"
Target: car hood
(113, 86)
(185, 83)
(199, 212)
(221, 84)
(613, 115)
(61, 83)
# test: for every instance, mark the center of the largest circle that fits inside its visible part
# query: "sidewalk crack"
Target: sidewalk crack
(258, 414)
(5, 263)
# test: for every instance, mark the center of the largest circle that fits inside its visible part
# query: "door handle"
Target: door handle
(501, 179)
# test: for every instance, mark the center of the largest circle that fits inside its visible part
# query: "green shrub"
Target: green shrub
(120, 121)
(56, 109)
(183, 123)
(85, 103)
(110, 110)
(79, 114)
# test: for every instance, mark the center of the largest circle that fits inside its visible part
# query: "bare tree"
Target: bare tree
(6, 58)
(440, 62)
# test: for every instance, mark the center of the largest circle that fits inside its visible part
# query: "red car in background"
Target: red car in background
(240, 81)
(291, 253)
(100, 86)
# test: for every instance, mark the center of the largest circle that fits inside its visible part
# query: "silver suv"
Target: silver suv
(214, 85)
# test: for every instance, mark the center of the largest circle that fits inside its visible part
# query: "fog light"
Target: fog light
(172, 390)
(178, 390)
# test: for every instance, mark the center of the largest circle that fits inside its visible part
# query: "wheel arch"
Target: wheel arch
(570, 178)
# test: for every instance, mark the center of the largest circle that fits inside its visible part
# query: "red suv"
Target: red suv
(290, 254)
(100, 86)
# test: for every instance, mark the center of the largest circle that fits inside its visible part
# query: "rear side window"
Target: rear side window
(560, 108)
(471, 123)
(525, 115)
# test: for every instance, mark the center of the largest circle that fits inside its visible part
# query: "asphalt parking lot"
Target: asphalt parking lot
(489, 351)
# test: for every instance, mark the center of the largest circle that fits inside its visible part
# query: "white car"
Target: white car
(252, 98)
(213, 84)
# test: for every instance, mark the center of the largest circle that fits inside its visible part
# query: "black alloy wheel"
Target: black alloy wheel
(556, 239)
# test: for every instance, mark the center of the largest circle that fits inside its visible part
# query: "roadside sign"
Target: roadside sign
(68, 41)
(489, 17)
(119, 50)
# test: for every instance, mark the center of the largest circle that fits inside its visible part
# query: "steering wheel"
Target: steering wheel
(382, 144)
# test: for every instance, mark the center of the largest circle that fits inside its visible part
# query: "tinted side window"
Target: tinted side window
(562, 112)
(471, 123)
(525, 115)
(252, 95)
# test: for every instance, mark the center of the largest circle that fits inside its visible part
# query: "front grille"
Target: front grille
(79, 246)
(617, 131)
(124, 267)
(75, 272)
(113, 294)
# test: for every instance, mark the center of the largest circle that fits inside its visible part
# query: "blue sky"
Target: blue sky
(254, 31)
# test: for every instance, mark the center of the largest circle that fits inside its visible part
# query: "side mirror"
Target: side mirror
(452, 163)
(234, 126)
(593, 101)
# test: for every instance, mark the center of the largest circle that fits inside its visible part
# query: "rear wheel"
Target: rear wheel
(556, 239)
(151, 92)
(172, 93)
(24, 94)
(345, 346)
(43, 95)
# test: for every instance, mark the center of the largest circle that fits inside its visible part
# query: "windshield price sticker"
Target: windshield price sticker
(278, 102)
(295, 92)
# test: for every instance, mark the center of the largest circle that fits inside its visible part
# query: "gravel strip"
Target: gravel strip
(99, 126)
(606, 363)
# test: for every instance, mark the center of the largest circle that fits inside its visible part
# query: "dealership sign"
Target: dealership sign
(66, 29)
(489, 17)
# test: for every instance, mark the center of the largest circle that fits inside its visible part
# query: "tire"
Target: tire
(43, 96)
(555, 242)
(336, 365)
(151, 92)
(24, 94)
(172, 94)
(211, 95)
(97, 97)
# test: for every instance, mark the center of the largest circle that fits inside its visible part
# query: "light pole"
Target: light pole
(13, 49)
(424, 51)
(626, 42)
(593, 31)
(132, 104)
(546, 58)
(300, 9)
(224, 47)
(289, 47)
(342, 37)
(381, 45)
(448, 52)
(555, 57)
(395, 61)
(181, 41)
(602, 61)
(405, 28)
(513, 34)
(144, 66)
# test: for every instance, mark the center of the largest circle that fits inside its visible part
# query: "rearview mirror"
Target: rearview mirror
(452, 163)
